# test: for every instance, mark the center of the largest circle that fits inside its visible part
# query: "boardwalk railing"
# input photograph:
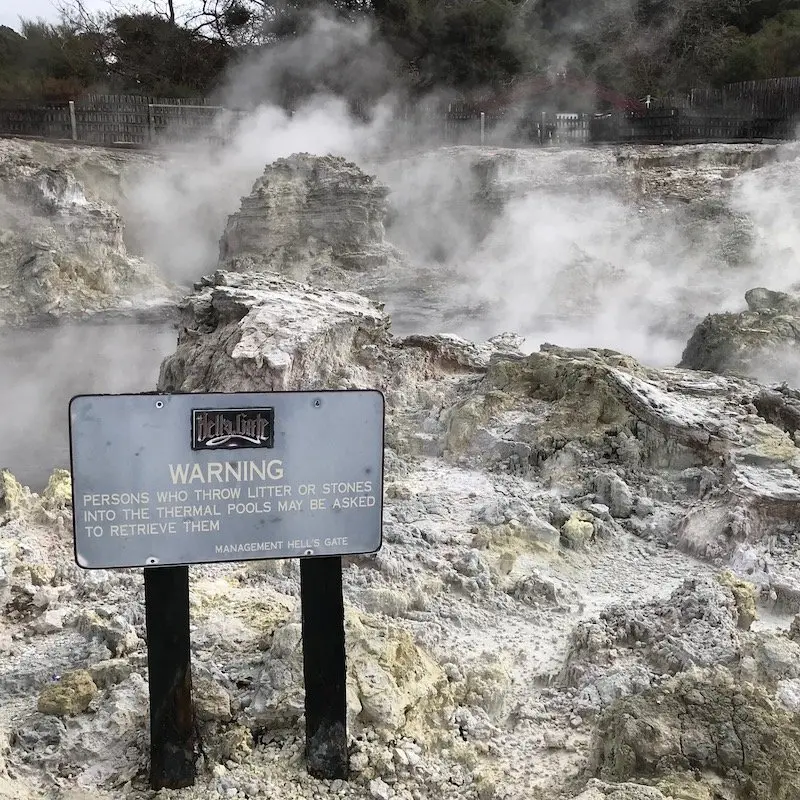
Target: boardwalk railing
(463, 124)
(134, 121)
(48, 121)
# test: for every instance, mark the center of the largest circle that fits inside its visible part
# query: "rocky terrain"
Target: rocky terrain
(760, 341)
(77, 299)
(628, 248)
(62, 251)
(310, 216)
(589, 585)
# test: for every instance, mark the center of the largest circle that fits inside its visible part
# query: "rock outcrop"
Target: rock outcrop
(63, 255)
(761, 342)
(261, 332)
(713, 450)
(242, 332)
(14, 498)
(600, 790)
(706, 723)
(69, 696)
(593, 425)
(538, 606)
(394, 688)
(306, 217)
(583, 420)
(697, 626)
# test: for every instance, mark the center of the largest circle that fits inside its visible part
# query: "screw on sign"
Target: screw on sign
(173, 480)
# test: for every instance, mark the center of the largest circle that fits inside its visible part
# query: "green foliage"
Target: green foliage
(47, 61)
(149, 55)
(470, 44)
(138, 53)
(630, 47)
(778, 45)
(464, 44)
(11, 48)
(640, 47)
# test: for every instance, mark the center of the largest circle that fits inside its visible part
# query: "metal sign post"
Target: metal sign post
(174, 743)
(165, 481)
(324, 670)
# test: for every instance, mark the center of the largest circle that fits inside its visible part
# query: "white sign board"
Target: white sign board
(200, 478)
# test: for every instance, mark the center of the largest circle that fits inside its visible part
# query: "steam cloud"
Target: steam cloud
(559, 262)
(43, 368)
(177, 214)
(581, 268)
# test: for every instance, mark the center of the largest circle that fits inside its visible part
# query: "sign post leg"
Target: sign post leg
(324, 667)
(173, 733)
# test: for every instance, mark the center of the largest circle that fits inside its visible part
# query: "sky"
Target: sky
(11, 10)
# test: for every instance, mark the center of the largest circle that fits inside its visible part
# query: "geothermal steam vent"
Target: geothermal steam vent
(305, 215)
(578, 547)
(62, 251)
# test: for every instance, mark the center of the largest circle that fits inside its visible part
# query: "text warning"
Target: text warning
(199, 478)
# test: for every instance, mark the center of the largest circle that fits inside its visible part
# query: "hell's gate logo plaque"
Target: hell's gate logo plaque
(232, 428)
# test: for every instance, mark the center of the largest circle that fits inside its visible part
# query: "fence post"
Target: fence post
(483, 128)
(151, 123)
(73, 121)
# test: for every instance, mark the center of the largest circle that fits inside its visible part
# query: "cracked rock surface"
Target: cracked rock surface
(588, 588)
(309, 216)
(705, 721)
(62, 249)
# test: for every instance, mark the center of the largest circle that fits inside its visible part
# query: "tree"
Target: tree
(463, 43)
(778, 44)
(639, 47)
(150, 55)
(47, 61)
(257, 23)
(740, 60)
(630, 47)
(12, 46)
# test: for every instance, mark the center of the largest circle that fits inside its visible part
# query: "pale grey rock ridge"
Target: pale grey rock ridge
(63, 254)
(259, 331)
(760, 342)
(676, 456)
(308, 214)
(697, 626)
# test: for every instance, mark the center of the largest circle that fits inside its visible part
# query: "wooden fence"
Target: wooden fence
(463, 124)
(682, 125)
(768, 99)
(145, 121)
(115, 119)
